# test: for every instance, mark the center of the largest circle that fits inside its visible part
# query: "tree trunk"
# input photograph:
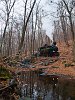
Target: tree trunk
(73, 35)
(71, 25)
(25, 26)
(64, 29)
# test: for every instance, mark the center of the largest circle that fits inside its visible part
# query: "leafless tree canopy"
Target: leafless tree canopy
(21, 32)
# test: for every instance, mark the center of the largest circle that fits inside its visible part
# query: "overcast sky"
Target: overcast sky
(48, 20)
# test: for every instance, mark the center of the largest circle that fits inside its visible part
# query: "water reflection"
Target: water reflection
(35, 87)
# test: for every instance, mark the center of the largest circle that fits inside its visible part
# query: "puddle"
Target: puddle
(35, 87)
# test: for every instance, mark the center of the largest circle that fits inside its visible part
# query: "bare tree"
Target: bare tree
(21, 33)
(69, 9)
(8, 5)
(63, 21)
(25, 26)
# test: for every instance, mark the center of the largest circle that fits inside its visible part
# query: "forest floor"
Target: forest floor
(62, 65)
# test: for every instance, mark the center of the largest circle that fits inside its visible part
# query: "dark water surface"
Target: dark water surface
(36, 87)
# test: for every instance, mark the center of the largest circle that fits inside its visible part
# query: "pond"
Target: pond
(36, 87)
